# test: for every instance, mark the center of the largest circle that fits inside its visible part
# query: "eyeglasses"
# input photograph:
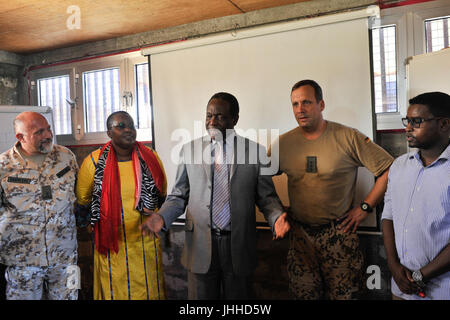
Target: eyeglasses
(415, 122)
(123, 125)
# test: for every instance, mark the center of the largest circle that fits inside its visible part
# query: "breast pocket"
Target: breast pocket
(63, 189)
(21, 195)
(64, 179)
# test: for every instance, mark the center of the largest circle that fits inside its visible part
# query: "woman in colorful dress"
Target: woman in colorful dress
(120, 184)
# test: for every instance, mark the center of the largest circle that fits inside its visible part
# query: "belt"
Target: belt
(218, 232)
(312, 230)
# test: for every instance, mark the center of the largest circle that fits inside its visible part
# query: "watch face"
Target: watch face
(417, 276)
(365, 207)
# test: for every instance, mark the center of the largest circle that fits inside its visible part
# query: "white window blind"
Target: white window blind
(437, 33)
(385, 68)
(53, 92)
(101, 97)
(144, 119)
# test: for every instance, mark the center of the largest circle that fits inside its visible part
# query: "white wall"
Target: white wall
(260, 71)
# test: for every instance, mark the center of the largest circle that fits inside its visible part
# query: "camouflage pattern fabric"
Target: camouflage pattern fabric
(324, 263)
(35, 283)
(37, 223)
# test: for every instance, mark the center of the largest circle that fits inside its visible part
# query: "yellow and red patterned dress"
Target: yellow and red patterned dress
(136, 271)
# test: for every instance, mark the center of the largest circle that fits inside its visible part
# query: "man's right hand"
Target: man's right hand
(152, 225)
(403, 278)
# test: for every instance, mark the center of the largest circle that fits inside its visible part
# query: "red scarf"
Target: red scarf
(106, 230)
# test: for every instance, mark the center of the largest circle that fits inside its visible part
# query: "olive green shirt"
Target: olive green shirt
(323, 188)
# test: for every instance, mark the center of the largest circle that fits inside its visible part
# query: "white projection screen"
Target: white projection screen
(259, 66)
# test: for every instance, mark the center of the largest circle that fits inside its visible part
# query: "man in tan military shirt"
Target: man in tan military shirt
(321, 159)
(38, 241)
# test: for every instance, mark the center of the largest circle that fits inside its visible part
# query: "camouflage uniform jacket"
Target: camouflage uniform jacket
(37, 222)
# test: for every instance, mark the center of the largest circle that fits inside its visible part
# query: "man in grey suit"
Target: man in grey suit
(219, 185)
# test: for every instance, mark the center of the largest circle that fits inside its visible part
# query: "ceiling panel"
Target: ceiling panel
(28, 26)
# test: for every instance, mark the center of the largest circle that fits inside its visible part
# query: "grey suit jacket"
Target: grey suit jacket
(192, 191)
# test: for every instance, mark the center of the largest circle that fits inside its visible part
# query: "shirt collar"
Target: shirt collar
(445, 155)
(217, 146)
(15, 153)
(229, 139)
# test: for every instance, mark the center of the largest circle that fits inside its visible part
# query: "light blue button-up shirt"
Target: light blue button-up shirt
(417, 200)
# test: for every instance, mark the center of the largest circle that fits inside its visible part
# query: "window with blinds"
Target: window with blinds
(437, 33)
(101, 97)
(385, 68)
(84, 93)
(144, 116)
(54, 92)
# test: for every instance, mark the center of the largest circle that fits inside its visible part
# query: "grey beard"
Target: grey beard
(46, 148)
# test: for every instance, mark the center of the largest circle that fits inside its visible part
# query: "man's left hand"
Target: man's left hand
(352, 219)
(282, 226)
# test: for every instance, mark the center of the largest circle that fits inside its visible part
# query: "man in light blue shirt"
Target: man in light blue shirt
(416, 216)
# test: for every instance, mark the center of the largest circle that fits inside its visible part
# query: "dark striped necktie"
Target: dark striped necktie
(221, 193)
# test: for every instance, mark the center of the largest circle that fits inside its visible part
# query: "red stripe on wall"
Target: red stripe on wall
(400, 4)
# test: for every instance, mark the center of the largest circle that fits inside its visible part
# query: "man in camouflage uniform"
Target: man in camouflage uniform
(321, 159)
(37, 226)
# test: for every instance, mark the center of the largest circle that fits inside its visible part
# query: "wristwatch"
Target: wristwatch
(418, 278)
(366, 207)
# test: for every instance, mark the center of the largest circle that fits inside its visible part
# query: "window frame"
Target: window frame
(101, 136)
(411, 41)
(390, 120)
(134, 74)
(419, 24)
(446, 39)
(125, 62)
(45, 74)
(396, 67)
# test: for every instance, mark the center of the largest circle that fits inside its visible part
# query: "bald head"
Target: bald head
(25, 119)
(33, 132)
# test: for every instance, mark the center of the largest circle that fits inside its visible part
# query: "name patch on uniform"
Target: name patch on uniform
(63, 172)
(19, 180)
(46, 192)
(311, 164)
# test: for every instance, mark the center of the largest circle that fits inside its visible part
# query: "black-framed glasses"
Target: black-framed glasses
(416, 121)
(122, 125)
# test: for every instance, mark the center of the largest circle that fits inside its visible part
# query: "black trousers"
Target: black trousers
(219, 282)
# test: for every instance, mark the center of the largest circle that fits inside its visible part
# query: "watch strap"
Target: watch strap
(366, 207)
(418, 278)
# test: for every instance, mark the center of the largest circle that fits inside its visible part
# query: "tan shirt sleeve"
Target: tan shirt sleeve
(370, 154)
